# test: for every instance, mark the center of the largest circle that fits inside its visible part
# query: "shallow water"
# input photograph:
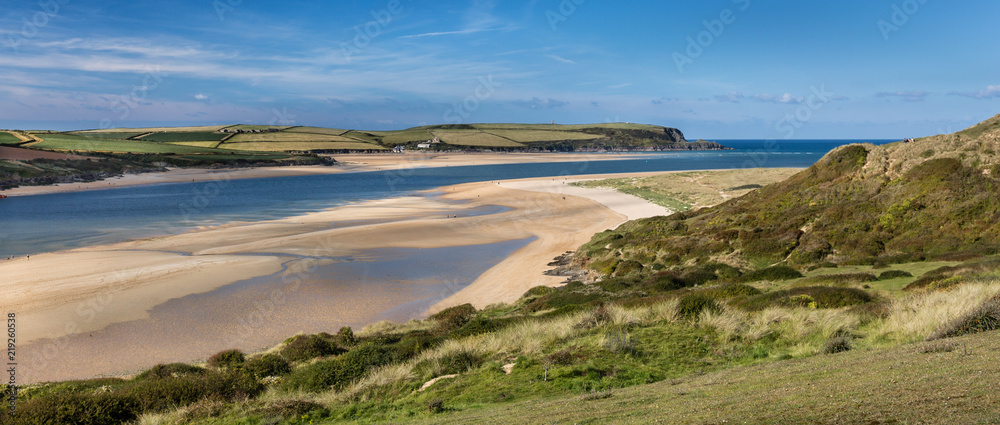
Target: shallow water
(384, 284)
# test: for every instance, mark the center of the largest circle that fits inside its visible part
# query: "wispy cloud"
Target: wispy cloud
(908, 96)
(200, 96)
(620, 86)
(561, 59)
(536, 103)
(988, 93)
(733, 97)
(785, 98)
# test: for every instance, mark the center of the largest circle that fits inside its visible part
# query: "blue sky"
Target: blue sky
(714, 69)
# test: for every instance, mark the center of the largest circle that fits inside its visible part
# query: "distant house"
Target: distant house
(398, 149)
(424, 146)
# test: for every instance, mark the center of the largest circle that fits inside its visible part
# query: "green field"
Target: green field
(300, 146)
(474, 138)
(287, 137)
(402, 137)
(255, 127)
(144, 130)
(9, 139)
(119, 135)
(196, 136)
(317, 130)
(197, 144)
(565, 127)
(529, 136)
(69, 142)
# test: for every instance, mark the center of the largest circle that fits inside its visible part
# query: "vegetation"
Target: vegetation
(194, 136)
(9, 139)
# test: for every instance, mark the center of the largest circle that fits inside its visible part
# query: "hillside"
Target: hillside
(504, 137)
(935, 197)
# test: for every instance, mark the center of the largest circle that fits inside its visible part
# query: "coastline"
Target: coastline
(88, 289)
(346, 163)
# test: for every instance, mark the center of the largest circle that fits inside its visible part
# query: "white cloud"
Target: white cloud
(909, 96)
(988, 93)
(785, 98)
(200, 96)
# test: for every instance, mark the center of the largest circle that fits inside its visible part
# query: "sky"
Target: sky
(715, 69)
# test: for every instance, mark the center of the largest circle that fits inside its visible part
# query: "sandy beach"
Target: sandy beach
(84, 290)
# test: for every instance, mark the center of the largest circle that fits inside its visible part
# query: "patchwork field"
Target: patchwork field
(69, 142)
(9, 139)
(120, 135)
(528, 136)
(317, 130)
(143, 130)
(287, 137)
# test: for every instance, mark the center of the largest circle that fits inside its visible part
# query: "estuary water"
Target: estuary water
(46, 223)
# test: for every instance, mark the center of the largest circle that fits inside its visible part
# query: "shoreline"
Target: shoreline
(347, 163)
(73, 292)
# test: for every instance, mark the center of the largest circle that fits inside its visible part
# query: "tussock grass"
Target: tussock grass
(919, 316)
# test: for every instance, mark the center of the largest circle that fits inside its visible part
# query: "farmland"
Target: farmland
(120, 135)
(317, 130)
(69, 142)
(301, 146)
(475, 138)
(287, 137)
(9, 139)
(196, 136)
(528, 136)
(144, 130)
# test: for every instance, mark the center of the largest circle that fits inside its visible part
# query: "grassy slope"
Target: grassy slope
(860, 203)
(694, 189)
(898, 385)
(9, 139)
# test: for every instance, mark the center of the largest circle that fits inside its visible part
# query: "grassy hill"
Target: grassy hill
(516, 137)
(935, 197)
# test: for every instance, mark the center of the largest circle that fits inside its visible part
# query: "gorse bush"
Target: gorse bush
(772, 273)
(170, 371)
(455, 317)
(893, 274)
(227, 359)
(340, 371)
(822, 296)
(268, 365)
(690, 306)
(306, 347)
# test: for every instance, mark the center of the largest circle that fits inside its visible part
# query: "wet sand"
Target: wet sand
(65, 297)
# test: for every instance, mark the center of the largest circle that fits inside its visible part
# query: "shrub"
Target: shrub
(340, 371)
(73, 408)
(454, 317)
(435, 406)
(538, 291)
(838, 279)
(306, 347)
(691, 305)
(892, 274)
(227, 359)
(771, 273)
(159, 395)
(346, 335)
(985, 318)
(268, 365)
(170, 371)
(837, 344)
(731, 290)
(451, 363)
(290, 409)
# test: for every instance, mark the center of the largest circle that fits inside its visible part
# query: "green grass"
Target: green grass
(899, 385)
(65, 142)
(197, 136)
(474, 138)
(530, 136)
(119, 135)
(300, 146)
(287, 137)
(403, 137)
(9, 139)
(144, 130)
(316, 130)
(256, 127)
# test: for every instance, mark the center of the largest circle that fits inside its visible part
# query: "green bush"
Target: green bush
(227, 359)
(340, 371)
(691, 305)
(170, 371)
(268, 365)
(838, 279)
(159, 395)
(538, 291)
(452, 363)
(892, 274)
(290, 409)
(771, 273)
(837, 344)
(306, 347)
(73, 408)
(346, 335)
(453, 318)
